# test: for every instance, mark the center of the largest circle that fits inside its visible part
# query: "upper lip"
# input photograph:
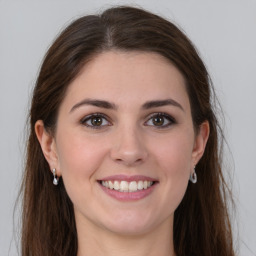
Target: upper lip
(127, 178)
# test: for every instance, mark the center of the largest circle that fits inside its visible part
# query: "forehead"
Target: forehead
(128, 76)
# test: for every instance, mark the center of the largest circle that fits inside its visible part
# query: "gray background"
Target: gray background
(223, 31)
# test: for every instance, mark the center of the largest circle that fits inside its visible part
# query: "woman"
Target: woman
(121, 120)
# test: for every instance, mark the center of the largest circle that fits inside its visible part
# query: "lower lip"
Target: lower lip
(128, 196)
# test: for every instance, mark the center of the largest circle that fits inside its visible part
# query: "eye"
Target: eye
(160, 120)
(95, 121)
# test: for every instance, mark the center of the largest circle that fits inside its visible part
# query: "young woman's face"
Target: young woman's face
(125, 144)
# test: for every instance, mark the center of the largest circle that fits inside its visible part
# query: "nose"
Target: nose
(129, 147)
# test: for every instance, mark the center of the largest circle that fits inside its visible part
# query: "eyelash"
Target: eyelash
(166, 118)
(90, 118)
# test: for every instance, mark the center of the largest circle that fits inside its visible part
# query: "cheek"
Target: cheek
(79, 160)
(174, 159)
(176, 168)
(174, 154)
(79, 157)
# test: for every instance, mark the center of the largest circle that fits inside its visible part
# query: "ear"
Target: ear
(48, 145)
(200, 142)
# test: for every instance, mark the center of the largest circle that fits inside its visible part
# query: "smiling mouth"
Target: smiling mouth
(126, 186)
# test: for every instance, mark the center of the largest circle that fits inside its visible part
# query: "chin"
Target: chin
(132, 224)
(129, 230)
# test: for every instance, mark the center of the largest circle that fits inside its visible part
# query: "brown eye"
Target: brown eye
(96, 121)
(158, 120)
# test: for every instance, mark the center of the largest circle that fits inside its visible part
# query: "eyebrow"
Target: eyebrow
(109, 105)
(161, 103)
(96, 103)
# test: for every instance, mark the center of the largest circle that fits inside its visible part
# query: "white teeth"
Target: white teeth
(140, 185)
(133, 186)
(125, 186)
(116, 185)
(110, 183)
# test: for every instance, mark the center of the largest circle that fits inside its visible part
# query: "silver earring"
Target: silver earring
(55, 177)
(193, 176)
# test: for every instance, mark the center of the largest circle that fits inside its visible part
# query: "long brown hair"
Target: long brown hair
(201, 222)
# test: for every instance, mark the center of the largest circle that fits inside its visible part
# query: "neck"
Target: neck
(102, 242)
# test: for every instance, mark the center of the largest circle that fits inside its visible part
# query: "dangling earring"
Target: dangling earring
(55, 177)
(193, 176)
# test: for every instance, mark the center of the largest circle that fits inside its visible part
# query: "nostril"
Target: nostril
(129, 161)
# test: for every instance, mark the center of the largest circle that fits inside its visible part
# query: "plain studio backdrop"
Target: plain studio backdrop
(224, 33)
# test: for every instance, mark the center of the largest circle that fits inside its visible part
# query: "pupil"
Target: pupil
(158, 121)
(97, 121)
